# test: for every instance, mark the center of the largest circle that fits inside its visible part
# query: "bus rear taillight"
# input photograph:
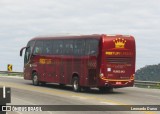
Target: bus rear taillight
(101, 75)
(132, 77)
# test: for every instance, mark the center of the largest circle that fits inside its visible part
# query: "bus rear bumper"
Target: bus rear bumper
(118, 83)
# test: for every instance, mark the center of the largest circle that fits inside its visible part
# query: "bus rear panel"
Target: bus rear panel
(118, 61)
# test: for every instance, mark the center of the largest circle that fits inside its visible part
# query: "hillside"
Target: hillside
(148, 73)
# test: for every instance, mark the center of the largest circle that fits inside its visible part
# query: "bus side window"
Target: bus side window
(58, 47)
(79, 47)
(68, 47)
(91, 47)
(55, 47)
(47, 50)
(38, 48)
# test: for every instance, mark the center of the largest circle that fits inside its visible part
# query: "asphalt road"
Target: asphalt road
(24, 93)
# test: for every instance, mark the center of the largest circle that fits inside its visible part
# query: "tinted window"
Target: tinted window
(79, 47)
(68, 47)
(47, 47)
(38, 48)
(58, 47)
(28, 51)
(92, 47)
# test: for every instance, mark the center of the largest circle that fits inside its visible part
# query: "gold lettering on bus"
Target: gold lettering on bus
(48, 61)
(45, 61)
(118, 53)
(113, 53)
(42, 61)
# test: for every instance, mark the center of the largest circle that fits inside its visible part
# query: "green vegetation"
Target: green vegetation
(11, 74)
(149, 73)
(3, 74)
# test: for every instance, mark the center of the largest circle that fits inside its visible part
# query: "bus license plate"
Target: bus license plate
(118, 83)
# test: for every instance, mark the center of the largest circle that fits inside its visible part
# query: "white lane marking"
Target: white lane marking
(108, 103)
(79, 97)
(4, 92)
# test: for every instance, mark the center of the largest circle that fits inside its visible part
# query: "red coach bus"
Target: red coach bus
(102, 61)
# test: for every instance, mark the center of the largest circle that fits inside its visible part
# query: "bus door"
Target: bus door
(28, 60)
(92, 53)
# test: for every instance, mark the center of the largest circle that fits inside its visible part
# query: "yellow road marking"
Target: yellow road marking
(149, 112)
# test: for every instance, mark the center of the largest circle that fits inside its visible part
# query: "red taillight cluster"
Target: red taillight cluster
(132, 77)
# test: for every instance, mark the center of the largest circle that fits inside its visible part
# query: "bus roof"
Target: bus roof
(97, 36)
(66, 37)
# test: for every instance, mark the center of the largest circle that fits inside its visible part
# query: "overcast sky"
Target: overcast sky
(20, 20)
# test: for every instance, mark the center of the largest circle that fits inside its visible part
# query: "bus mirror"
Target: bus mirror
(21, 51)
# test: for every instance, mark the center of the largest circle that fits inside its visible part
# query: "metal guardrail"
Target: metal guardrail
(147, 84)
(11, 73)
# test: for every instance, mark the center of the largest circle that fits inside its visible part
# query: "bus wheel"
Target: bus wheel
(75, 84)
(35, 79)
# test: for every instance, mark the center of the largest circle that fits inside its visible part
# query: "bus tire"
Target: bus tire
(35, 79)
(75, 84)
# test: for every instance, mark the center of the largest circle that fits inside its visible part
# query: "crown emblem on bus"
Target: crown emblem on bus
(119, 42)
